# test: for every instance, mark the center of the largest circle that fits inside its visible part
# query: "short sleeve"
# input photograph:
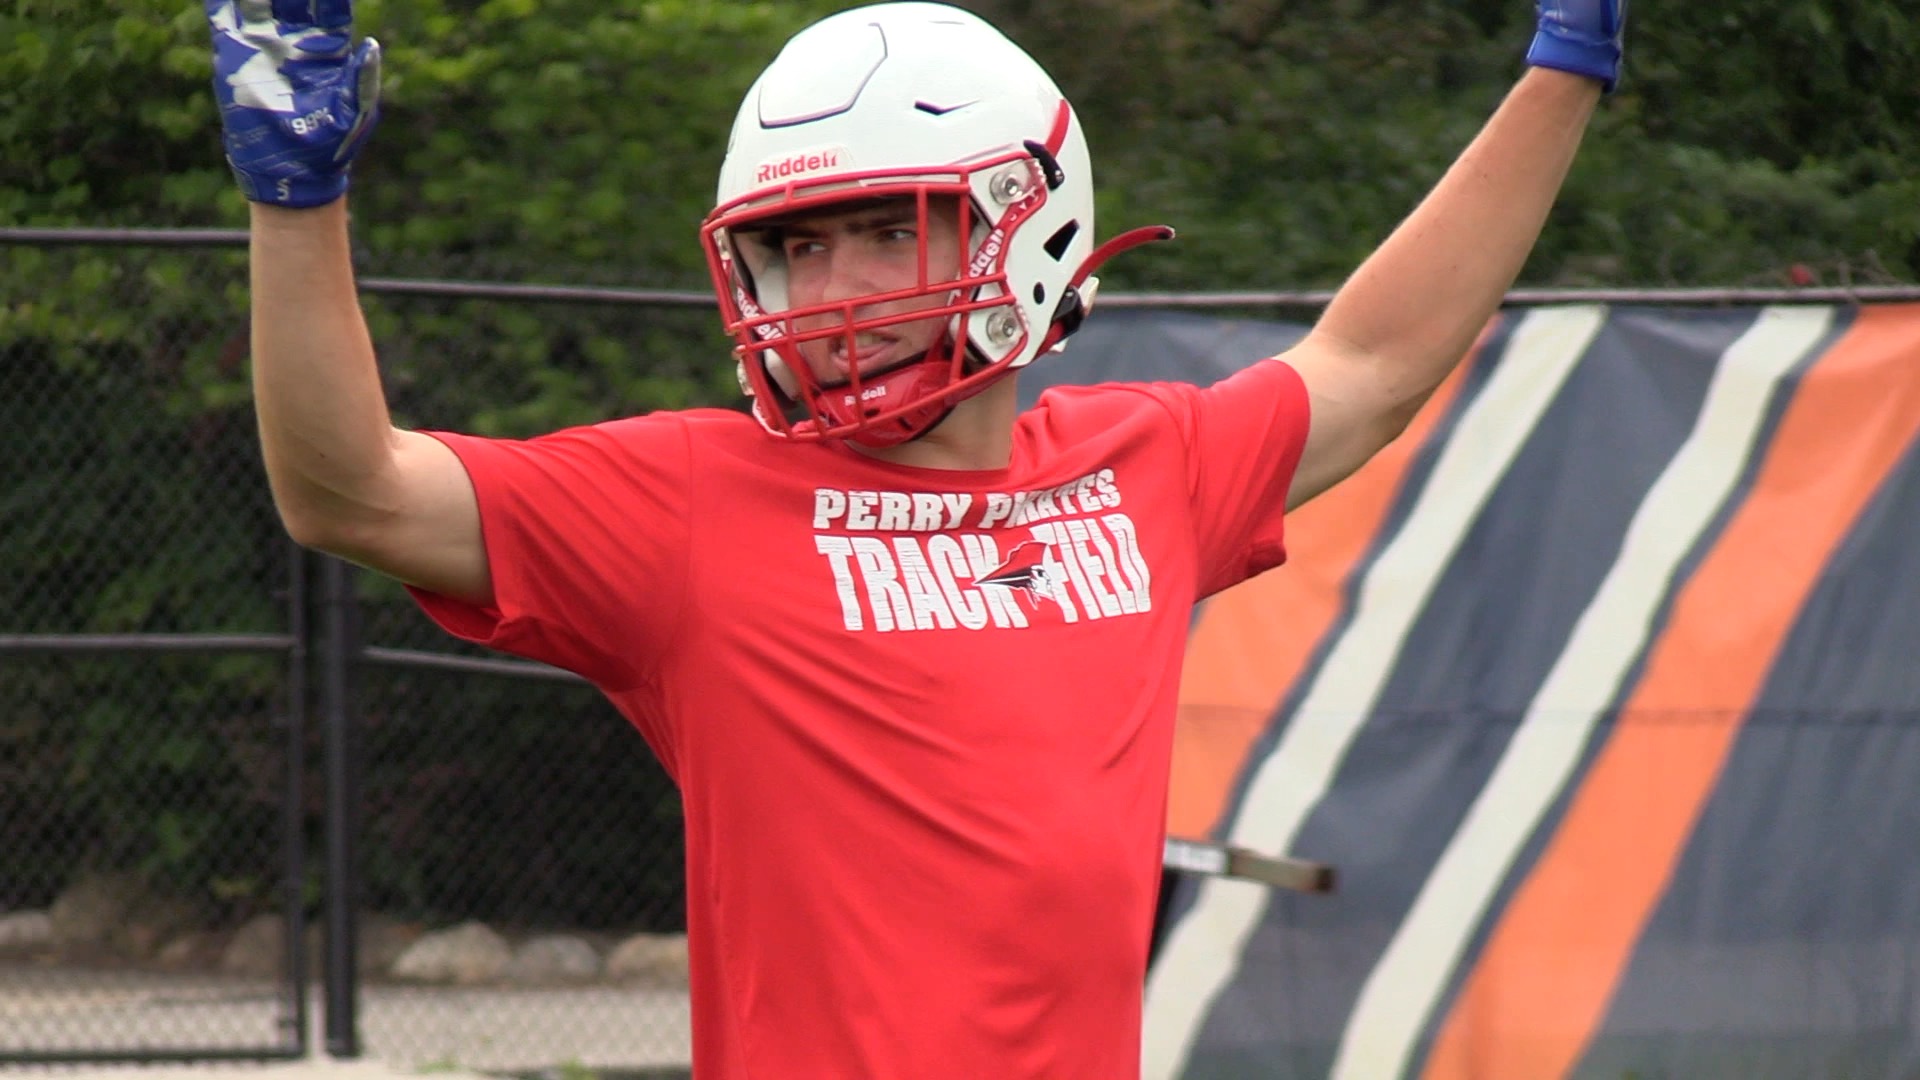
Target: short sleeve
(586, 532)
(1244, 437)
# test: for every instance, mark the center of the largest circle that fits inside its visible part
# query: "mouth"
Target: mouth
(869, 351)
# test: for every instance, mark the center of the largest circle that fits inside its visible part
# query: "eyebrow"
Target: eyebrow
(880, 217)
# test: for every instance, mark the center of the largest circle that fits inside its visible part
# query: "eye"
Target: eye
(899, 233)
(797, 247)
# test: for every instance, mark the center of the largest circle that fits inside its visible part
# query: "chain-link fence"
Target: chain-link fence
(211, 772)
(149, 778)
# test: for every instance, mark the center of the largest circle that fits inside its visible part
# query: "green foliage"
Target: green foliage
(134, 505)
(104, 110)
(1284, 138)
(557, 138)
(577, 141)
(524, 801)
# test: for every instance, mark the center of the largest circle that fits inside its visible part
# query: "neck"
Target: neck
(977, 435)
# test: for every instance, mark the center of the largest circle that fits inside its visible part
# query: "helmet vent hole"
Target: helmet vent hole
(1056, 244)
(1039, 293)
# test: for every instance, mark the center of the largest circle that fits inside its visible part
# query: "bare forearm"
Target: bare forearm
(1416, 305)
(324, 427)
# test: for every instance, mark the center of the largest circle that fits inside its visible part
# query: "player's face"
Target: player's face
(875, 249)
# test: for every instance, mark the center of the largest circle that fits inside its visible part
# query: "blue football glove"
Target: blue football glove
(1581, 36)
(296, 99)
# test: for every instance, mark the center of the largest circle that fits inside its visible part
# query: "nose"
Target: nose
(834, 274)
(846, 275)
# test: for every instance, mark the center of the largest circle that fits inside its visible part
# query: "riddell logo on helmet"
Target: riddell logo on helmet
(800, 164)
(990, 248)
(871, 393)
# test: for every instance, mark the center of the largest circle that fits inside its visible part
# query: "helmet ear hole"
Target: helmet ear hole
(1058, 243)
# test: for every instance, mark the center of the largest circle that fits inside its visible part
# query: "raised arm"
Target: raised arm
(296, 102)
(1412, 310)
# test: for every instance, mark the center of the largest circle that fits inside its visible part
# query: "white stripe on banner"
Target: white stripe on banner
(1406, 984)
(1202, 950)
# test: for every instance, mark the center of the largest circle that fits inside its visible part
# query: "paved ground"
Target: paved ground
(300, 1070)
(406, 1029)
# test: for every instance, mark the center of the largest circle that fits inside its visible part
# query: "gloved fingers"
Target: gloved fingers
(366, 66)
(242, 20)
(253, 23)
(294, 29)
(1586, 18)
(293, 14)
(366, 77)
(333, 15)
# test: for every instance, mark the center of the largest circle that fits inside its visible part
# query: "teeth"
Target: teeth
(861, 343)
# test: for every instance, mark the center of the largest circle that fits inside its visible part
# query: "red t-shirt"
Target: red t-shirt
(921, 720)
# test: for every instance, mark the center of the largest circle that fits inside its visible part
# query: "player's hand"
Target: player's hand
(1581, 36)
(296, 99)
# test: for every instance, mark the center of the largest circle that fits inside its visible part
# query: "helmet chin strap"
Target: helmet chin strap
(902, 377)
(1077, 301)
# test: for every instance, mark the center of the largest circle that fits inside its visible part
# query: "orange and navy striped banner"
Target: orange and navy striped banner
(1601, 688)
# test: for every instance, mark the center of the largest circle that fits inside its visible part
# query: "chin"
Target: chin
(828, 374)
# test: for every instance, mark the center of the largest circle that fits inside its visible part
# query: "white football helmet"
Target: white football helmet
(930, 105)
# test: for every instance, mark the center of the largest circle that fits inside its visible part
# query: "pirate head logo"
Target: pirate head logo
(1031, 570)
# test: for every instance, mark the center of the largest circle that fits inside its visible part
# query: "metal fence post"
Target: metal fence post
(339, 645)
(294, 817)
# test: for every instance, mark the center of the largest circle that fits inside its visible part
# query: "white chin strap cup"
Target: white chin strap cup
(782, 375)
